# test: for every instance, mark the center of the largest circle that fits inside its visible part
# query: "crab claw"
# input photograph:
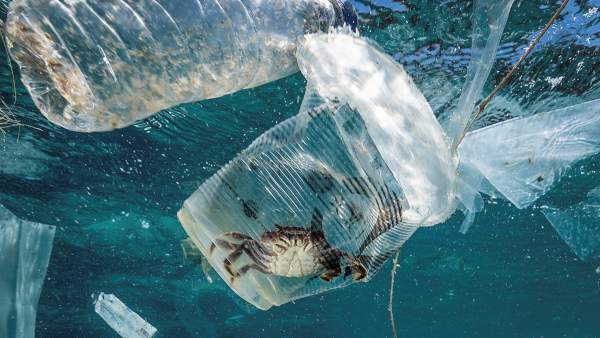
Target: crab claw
(331, 274)
(359, 272)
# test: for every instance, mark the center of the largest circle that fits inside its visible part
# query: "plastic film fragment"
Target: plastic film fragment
(25, 249)
(524, 157)
(489, 19)
(579, 225)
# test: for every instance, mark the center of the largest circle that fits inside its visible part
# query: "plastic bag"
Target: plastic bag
(324, 198)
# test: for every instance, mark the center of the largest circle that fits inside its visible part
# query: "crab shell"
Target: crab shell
(297, 252)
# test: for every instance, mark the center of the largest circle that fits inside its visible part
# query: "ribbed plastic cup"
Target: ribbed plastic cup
(323, 199)
(99, 65)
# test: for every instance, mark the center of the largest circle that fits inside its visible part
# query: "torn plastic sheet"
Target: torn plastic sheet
(489, 19)
(470, 198)
(524, 157)
(25, 249)
(320, 201)
(579, 225)
(97, 65)
(122, 319)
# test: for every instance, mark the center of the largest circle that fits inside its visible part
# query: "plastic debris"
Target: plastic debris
(579, 225)
(524, 157)
(404, 130)
(192, 254)
(489, 19)
(97, 65)
(122, 319)
(25, 249)
(322, 200)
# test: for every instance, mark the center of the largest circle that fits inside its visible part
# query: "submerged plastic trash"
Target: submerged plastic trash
(324, 198)
(25, 249)
(524, 157)
(489, 19)
(100, 65)
(122, 319)
(321, 200)
(579, 225)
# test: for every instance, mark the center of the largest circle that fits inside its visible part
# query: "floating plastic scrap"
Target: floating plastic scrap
(25, 249)
(489, 19)
(579, 225)
(98, 65)
(324, 198)
(122, 319)
(524, 157)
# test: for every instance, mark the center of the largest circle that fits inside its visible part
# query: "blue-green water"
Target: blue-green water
(114, 197)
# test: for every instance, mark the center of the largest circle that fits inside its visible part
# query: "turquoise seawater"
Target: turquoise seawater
(114, 196)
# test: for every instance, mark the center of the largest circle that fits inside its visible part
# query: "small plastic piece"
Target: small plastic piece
(99, 65)
(579, 225)
(190, 252)
(122, 319)
(25, 249)
(524, 157)
(471, 202)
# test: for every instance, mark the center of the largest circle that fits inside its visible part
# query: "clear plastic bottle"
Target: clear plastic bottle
(100, 65)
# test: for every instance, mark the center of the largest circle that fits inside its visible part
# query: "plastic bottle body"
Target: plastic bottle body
(101, 65)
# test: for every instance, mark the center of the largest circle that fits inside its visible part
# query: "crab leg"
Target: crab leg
(220, 242)
(331, 274)
(245, 268)
(251, 249)
(236, 235)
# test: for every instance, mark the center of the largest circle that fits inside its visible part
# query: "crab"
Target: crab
(288, 251)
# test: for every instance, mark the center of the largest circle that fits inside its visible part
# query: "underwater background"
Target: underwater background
(114, 196)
